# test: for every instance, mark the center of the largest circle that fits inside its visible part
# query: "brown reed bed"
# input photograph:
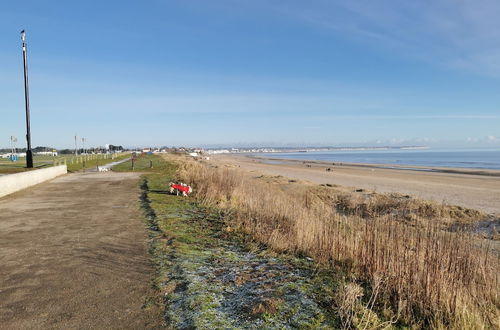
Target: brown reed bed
(424, 275)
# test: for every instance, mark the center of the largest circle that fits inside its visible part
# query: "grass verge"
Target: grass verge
(143, 163)
(210, 275)
(92, 161)
(74, 163)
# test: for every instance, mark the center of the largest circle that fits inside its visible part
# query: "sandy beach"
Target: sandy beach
(477, 189)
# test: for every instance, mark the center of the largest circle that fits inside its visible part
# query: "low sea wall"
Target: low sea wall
(14, 182)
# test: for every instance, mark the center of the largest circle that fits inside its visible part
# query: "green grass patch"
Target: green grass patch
(80, 163)
(146, 163)
(9, 167)
(16, 169)
(74, 163)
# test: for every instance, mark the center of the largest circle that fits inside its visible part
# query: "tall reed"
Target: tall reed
(426, 275)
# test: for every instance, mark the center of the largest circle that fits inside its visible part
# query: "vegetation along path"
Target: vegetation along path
(211, 277)
(73, 254)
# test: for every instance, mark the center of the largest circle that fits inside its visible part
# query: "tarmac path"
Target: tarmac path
(73, 255)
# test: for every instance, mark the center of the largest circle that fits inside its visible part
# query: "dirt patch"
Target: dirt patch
(73, 254)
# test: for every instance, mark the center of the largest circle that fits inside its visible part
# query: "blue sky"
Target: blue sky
(234, 72)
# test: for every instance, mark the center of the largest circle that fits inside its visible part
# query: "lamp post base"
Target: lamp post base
(29, 159)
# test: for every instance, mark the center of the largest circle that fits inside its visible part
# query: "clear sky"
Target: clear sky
(200, 72)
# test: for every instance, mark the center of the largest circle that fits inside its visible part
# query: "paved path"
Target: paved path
(73, 255)
(108, 166)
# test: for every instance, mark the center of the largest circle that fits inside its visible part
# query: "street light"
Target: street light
(76, 147)
(29, 153)
(13, 141)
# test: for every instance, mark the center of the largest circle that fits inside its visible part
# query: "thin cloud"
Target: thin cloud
(461, 34)
(410, 117)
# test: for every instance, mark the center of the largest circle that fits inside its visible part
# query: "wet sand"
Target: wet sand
(477, 189)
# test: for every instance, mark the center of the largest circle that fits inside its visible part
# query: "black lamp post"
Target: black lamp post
(29, 153)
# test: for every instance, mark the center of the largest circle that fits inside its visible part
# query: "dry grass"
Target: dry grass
(400, 207)
(427, 276)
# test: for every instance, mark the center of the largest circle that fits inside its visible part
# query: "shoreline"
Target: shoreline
(475, 189)
(402, 167)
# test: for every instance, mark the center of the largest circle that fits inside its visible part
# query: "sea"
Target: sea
(431, 158)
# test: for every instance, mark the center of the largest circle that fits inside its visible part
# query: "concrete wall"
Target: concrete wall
(15, 182)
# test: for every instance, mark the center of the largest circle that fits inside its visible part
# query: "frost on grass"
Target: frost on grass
(211, 280)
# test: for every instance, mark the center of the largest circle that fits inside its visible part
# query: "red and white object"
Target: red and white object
(181, 188)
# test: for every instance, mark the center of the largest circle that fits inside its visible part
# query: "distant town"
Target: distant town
(49, 151)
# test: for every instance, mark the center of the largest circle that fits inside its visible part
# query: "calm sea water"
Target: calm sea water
(483, 159)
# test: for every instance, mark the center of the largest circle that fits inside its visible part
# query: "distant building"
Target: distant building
(220, 151)
(47, 153)
(19, 154)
